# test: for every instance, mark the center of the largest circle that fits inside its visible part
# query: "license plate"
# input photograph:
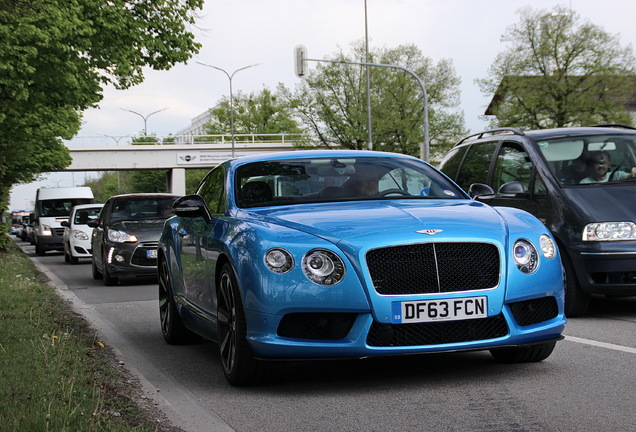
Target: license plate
(439, 310)
(151, 253)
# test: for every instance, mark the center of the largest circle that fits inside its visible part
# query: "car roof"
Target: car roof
(306, 154)
(146, 195)
(85, 206)
(543, 134)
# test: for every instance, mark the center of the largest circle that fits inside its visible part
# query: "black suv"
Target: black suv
(580, 182)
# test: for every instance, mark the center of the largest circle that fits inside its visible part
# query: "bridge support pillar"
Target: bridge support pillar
(176, 181)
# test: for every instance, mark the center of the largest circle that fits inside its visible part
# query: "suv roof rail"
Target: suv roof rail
(615, 125)
(515, 131)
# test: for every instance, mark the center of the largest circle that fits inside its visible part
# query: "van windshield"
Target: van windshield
(591, 159)
(60, 207)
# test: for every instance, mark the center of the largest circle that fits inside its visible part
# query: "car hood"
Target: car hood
(144, 230)
(403, 220)
(605, 202)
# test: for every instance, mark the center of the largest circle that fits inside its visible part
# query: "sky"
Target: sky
(238, 33)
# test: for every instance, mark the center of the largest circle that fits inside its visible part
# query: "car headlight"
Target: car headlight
(80, 235)
(525, 256)
(121, 237)
(547, 246)
(609, 231)
(279, 260)
(323, 267)
(46, 230)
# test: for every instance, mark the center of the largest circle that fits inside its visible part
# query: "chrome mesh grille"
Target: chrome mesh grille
(433, 268)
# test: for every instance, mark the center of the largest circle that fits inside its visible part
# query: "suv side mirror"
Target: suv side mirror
(65, 224)
(481, 192)
(191, 206)
(513, 189)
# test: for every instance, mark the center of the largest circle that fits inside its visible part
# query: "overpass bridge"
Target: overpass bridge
(177, 155)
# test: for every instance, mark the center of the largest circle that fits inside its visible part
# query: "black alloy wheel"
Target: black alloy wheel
(172, 328)
(239, 365)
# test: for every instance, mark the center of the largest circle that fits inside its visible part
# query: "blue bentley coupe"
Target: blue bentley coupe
(350, 254)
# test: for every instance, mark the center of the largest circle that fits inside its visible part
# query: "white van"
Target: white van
(52, 207)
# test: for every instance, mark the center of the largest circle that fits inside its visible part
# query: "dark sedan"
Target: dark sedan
(124, 241)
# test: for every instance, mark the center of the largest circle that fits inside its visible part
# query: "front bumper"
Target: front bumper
(521, 323)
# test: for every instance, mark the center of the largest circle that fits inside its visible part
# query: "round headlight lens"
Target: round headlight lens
(547, 246)
(279, 260)
(323, 267)
(525, 256)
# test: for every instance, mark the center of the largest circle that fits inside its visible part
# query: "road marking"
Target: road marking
(601, 344)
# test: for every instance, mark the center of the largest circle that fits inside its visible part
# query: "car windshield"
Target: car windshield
(136, 208)
(591, 159)
(298, 181)
(82, 216)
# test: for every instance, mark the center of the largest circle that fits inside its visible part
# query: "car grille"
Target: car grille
(534, 311)
(436, 333)
(433, 268)
(140, 256)
(58, 232)
(325, 326)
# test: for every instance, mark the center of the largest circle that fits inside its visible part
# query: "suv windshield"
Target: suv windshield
(591, 159)
(301, 181)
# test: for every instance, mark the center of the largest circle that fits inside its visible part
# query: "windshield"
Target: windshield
(301, 181)
(60, 207)
(141, 208)
(82, 216)
(591, 159)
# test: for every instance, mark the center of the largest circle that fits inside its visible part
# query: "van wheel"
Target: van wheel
(577, 301)
(39, 250)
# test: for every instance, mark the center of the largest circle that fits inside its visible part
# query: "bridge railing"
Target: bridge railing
(244, 140)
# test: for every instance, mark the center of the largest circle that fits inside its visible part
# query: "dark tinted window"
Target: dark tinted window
(450, 164)
(212, 190)
(476, 163)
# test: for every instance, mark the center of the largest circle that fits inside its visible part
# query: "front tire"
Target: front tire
(172, 328)
(577, 301)
(523, 354)
(97, 275)
(239, 365)
(109, 280)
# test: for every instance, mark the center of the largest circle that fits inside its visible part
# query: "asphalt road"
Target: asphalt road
(586, 385)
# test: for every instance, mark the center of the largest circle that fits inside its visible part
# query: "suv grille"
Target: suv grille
(434, 268)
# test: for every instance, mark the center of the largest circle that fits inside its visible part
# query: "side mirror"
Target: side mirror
(513, 189)
(191, 206)
(66, 224)
(93, 223)
(481, 192)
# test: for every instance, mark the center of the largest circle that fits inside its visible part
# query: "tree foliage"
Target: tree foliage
(559, 71)
(332, 101)
(56, 56)
(262, 113)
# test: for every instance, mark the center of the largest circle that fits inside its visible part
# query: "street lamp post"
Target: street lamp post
(144, 117)
(230, 76)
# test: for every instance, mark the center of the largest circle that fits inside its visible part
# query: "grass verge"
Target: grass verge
(55, 375)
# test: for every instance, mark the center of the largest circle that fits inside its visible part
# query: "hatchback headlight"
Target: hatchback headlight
(609, 231)
(121, 237)
(323, 267)
(525, 256)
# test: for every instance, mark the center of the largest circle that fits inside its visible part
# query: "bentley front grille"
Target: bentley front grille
(434, 268)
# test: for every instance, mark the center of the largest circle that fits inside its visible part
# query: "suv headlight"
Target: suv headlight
(80, 235)
(121, 237)
(609, 231)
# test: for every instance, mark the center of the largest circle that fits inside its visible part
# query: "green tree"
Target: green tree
(559, 71)
(332, 101)
(262, 113)
(56, 56)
